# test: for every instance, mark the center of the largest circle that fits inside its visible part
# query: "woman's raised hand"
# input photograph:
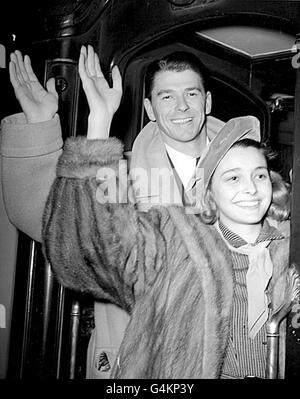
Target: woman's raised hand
(103, 100)
(38, 104)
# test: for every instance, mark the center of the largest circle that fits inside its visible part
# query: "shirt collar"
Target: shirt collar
(268, 233)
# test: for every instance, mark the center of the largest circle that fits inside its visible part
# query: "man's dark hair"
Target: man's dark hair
(177, 61)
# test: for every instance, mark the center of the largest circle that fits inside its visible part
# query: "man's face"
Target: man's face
(241, 187)
(179, 105)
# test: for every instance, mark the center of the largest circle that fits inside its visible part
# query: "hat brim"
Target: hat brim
(234, 130)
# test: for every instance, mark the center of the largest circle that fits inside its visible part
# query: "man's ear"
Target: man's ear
(149, 109)
(208, 103)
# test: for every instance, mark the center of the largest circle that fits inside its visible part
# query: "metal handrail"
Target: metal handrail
(275, 320)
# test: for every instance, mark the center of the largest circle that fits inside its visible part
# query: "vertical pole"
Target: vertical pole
(74, 332)
(28, 308)
(59, 329)
(272, 356)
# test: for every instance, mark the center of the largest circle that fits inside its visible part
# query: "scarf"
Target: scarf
(257, 279)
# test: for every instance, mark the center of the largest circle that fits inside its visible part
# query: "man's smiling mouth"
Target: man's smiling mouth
(181, 121)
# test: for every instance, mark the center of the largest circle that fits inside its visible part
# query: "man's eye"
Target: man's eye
(167, 97)
(192, 94)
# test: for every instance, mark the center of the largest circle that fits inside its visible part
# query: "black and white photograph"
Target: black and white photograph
(150, 194)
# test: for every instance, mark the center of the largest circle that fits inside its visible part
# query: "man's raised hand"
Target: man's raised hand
(38, 104)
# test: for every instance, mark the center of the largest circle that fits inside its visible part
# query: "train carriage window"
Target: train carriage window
(251, 41)
(230, 97)
(249, 65)
(269, 54)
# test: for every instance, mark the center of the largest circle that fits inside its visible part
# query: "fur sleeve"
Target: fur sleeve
(105, 249)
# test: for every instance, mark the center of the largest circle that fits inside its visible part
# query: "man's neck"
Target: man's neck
(192, 148)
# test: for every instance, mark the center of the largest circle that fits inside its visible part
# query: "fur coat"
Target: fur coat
(172, 273)
(29, 155)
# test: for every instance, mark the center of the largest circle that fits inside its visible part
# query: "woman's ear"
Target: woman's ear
(149, 109)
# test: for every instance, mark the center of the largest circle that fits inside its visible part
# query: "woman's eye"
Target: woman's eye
(261, 176)
(233, 179)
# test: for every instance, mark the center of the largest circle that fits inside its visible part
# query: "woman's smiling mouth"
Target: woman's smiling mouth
(248, 204)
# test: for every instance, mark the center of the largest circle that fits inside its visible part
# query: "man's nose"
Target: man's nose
(182, 104)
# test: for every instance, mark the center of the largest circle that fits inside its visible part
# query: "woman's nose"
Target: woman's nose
(250, 186)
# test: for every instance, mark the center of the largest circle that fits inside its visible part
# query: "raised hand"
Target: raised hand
(38, 104)
(103, 100)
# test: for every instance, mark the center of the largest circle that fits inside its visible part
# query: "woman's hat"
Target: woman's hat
(244, 127)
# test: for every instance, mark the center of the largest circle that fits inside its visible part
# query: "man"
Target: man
(178, 104)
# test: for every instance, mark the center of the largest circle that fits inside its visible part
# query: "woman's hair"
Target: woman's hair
(280, 204)
(177, 61)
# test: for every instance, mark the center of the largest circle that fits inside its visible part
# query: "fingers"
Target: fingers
(98, 67)
(89, 67)
(13, 75)
(50, 85)
(20, 70)
(28, 68)
(82, 64)
(117, 79)
(90, 64)
(21, 66)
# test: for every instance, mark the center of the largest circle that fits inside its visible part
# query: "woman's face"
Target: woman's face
(241, 187)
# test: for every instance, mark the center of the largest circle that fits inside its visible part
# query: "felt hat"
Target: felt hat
(244, 127)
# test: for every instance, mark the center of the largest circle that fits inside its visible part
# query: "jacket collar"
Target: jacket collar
(149, 150)
(268, 233)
